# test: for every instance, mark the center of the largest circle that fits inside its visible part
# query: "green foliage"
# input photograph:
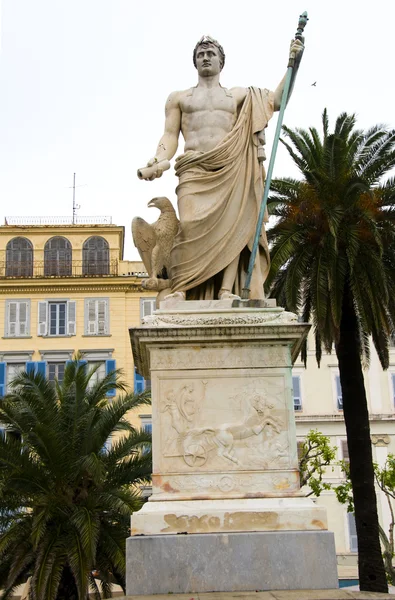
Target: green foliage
(335, 228)
(385, 479)
(343, 490)
(315, 456)
(66, 495)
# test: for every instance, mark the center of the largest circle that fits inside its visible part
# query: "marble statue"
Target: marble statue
(221, 178)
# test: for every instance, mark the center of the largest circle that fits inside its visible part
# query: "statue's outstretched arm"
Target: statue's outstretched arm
(295, 52)
(168, 143)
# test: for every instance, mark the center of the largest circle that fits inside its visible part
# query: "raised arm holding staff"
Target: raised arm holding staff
(220, 178)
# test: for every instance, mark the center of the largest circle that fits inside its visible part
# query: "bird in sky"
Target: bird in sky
(314, 84)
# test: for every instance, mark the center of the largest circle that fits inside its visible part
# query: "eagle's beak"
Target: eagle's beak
(151, 202)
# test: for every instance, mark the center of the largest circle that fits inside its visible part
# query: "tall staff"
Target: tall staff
(284, 99)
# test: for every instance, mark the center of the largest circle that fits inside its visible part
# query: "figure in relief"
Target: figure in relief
(220, 178)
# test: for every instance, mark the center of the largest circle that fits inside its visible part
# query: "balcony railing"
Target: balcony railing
(78, 220)
(54, 269)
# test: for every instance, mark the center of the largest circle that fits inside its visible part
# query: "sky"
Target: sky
(84, 83)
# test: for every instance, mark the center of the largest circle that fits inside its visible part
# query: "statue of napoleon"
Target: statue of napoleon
(221, 179)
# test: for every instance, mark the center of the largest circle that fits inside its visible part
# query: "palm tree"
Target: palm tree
(333, 261)
(70, 465)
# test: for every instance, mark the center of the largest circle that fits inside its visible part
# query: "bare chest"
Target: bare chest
(203, 100)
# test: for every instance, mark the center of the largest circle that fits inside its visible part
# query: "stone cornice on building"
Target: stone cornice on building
(339, 417)
(113, 284)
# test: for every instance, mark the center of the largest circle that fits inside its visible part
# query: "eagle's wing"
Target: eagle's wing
(144, 239)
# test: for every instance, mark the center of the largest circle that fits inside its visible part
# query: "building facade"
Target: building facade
(318, 405)
(66, 288)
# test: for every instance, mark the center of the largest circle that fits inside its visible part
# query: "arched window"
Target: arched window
(19, 258)
(95, 257)
(57, 257)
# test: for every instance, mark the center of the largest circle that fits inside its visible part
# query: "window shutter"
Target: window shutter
(147, 307)
(12, 319)
(300, 447)
(83, 364)
(71, 316)
(296, 393)
(102, 317)
(91, 317)
(30, 366)
(138, 383)
(23, 318)
(2, 379)
(352, 530)
(345, 455)
(339, 393)
(41, 367)
(42, 318)
(110, 366)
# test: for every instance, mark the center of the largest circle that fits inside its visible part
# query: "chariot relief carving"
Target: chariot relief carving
(254, 436)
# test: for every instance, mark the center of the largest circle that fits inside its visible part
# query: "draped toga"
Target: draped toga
(219, 195)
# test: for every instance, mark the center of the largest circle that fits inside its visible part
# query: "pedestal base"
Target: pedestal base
(227, 516)
(221, 562)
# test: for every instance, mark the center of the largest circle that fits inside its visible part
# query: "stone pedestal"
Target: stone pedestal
(225, 466)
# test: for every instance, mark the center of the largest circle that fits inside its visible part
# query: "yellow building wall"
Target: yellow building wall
(123, 291)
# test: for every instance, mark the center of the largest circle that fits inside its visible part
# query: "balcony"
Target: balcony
(77, 220)
(57, 269)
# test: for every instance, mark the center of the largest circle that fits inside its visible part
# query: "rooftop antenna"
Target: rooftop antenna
(75, 206)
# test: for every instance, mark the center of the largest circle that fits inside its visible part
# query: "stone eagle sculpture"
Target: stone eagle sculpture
(155, 241)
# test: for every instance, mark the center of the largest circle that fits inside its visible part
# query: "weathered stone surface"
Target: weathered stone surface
(215, 516)
(336, 594)
(343, 594)
(230, 562)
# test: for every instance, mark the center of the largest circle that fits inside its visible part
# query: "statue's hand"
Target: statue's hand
(153, 170)
(296, 50)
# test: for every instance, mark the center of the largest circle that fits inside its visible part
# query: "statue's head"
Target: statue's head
(206, 42)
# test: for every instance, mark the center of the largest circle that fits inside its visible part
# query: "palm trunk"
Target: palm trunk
(67, 588)
(356, 416)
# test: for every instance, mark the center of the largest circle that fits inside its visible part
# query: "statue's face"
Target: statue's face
(208, 60)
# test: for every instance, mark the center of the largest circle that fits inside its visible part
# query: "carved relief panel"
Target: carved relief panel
(236, 420)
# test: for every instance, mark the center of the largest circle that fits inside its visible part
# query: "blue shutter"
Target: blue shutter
(110, 366)
(41, 367)
(138, 383)
(82, 363)
(2, 379)
(30, 367)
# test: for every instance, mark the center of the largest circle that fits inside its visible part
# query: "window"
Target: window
(140, 384)
(13, 369)
(147, 307)
(56, 318)
(99, 374)
(339, 395)
(57, 257)
(344, 451)
(393, 388)
(17, 318)
(12, 363)
(146, 423)
(102, 359)
(19, 258)
(96, 316)
(297, 392)
(300, 449)
(55, 370)
(95, 256)
(352, 532)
